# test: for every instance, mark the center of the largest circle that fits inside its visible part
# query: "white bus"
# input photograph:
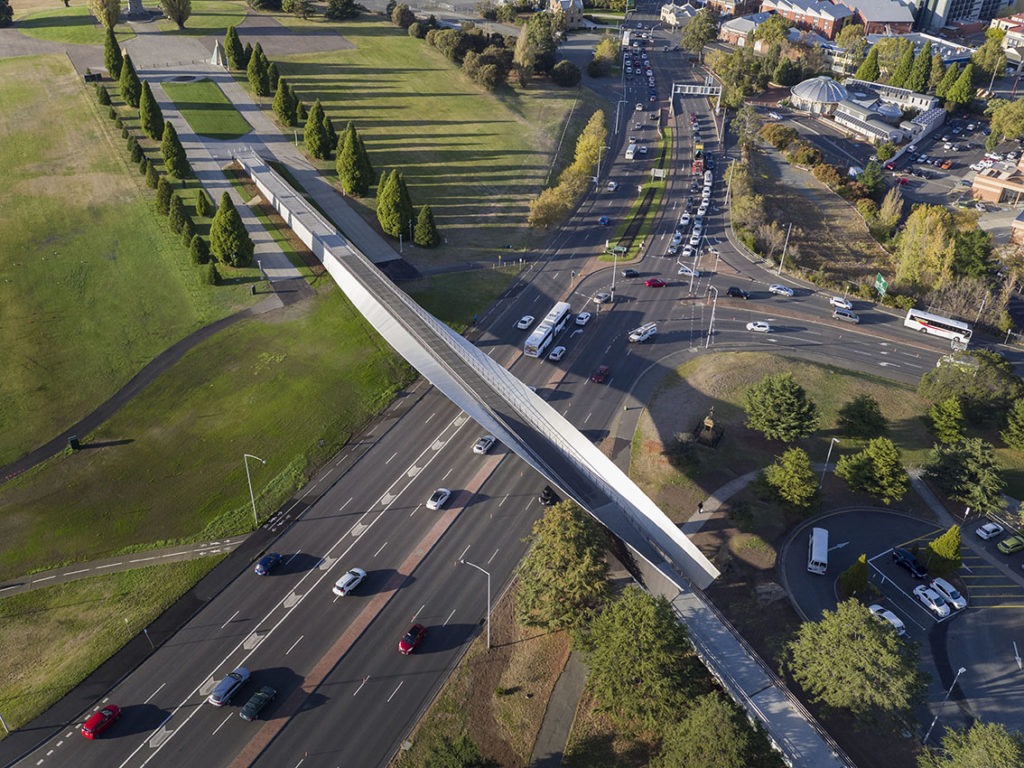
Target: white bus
(937, 325)
(549, 327)
(817, 551)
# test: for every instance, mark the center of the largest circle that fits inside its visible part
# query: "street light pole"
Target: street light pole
(248, 477)
(944, 700)
(711, 325)
(488, 575)
(827, 457)
(784, 246)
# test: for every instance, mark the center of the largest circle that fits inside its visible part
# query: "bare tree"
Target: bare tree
(771, 237)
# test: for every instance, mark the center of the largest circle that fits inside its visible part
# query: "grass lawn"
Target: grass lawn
(210, 18)
(95, 284)
(207, 110)
(456, 297)
(73, 25)
(94, 612)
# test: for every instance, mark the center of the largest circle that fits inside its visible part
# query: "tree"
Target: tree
(969, 472)
(854, 580)
(284, 103)
(699, 31)
(152, 175)
(924, 250)
(1013, 435)
(638, 653)
(331, 134)
(273, 76)
(246, 56)
(951, 75)
(204, 205)
(188, 230)
(890, 213)
(199, 251)
(425, 235)
(850, 660)
(563, 580)
(229, 240)
(917, 78)
(876, 470)
(773, 30)
(885, 150)
(990, 57)
(256, 72)
(210, 274)
(779, 408)
(163, 196)
(1007, 123)
(984, 382)
(339, 10)
(176, 214)
(6, 14)
(891, 51)
(389, 214)
(944, 552)
(982, 744)
(873, 180)
(851, 39)
(791, 478)
(525, 57)
(177, 11)
(461, 752)
(402, 16)
(314, 134)
(962, 91)
(869, 70)
(174, 154)
(936, 73)
(112, 57)
(787, 72)
(233, 49)
(131, 87)
(566, 74)
(107, 12)
(746, 125)
(150, 116)
(350, 170)
(862, 417)
(946, 419)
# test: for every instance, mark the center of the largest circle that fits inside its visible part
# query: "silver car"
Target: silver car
(228, 687)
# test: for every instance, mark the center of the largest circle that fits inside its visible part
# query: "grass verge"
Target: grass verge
(210, 18)
(207, 110)
(74, 25)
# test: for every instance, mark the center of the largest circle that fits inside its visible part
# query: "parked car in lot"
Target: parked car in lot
(485, 443)
(759, 326)
(988, 530)
(228, 687)
(886, 615)
(100, 721)
(906, 559)
(932, 600)
(557, 354)
(439, 498)
(780, 290)
(949, 593)
(412, 639)
(1011, 544)
(525, 322)
(267, 563)
(257, 703)
(349, 582)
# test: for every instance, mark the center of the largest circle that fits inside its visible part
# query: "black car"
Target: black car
(257, 703)
(630, 273)
(906, 559)
(548, 497)
(737, 293)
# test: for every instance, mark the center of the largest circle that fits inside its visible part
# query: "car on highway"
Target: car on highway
(484, 445)
(673, 250)
(267, 563)
(642, 149)
(604, 221)
(411, 639)
(780, 290)
(602, 298)
(654, 282)
(225, 690)
(695, 239)
(687, 252)
(889, 616)
(774, 115)
(439, 498)
(612, 186)
(100, 721)
(989, 530)
(548, 497)
(759, 326)
(557, 354)
(949, 593)
(684, 220)
(639, 107)
(525, 322)
(736, 293)
(600, 374)
(932, 600)
(257, 703)
(1011, 544)
(349, 582)
(583, 318)
(630, 273)
(688, 271)
(906, 559)
(841, 302)
(677, 238)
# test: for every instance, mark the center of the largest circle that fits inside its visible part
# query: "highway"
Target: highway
(346, 696)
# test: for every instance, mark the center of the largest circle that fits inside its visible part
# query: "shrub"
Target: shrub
(566, 74)
(199, 251)
(102, 96)
(112, 113)
(210, 274)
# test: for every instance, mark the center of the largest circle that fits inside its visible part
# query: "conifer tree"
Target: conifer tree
(284, 103)
(102, 96)
(937, 72)
(257, 72)
(314, 134)
(301, 115)
(962, 91)
(405, 208)
(229, 240)
(211, 275)
(131, 87)
(204, 205)
(272, 76)
(917, 80)
(163, 196)
(389, 204)
(950, 77)
(150, 115)
(331, 134)
(174, 154)
(135, 151)
(869, 69)
(425, 234)
(112, 54)
(152, 175)
(144, 169)
(6, 13)
(347, 164)
(246, 56)
(233, 49)
(364, 157)
(176, 214)
(188, 230)
(902, 71)
(199, 251)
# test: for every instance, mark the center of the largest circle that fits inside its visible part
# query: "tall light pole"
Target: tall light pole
(827, 457)
(488, 575)
(248, 477)
(944, 700)
(784, 247)
(711, 325)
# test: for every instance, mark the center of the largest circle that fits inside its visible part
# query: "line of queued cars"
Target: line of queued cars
(637, 64)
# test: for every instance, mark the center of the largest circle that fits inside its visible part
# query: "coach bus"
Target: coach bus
(549, 327)
(937, 325)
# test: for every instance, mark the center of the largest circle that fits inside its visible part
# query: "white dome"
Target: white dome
(819, 90)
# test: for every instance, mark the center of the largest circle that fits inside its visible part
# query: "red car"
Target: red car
(902, 181)
(654, 283)
(600, 374)
(412, 638)
(100, 721)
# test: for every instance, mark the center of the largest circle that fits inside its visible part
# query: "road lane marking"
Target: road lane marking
(493, 556)
(417, 614)
(229, 620)
(154, 693)
(445, 624)
(463, 555)
(69, 573)
(395, 691)
(381, 549)
(292, 648)
(392, 457)
(223, 723)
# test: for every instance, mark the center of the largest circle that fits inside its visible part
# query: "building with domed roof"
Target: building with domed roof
(819, 95)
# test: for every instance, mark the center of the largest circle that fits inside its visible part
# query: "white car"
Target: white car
(582, 318)
(602, 298)
(841, 302)
(643, 149)
(759, 326)
(694, 240)
(949, 593)
(684, 220)
(932, 600)
(677, 238)
(438, 498)
(702, 211)
(774, 115)
(889, 616)
(989, 530)
(780, 290)
(612, 186)
(688, 252)
(525, 322)
(484, 444)
(557, 354)
(688, 271)
(349, 581)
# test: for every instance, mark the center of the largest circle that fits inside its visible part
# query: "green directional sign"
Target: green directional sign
(881, 284)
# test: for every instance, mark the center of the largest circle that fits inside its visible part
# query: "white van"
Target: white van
(643, 333)
(631, 151)
(817, 551)
(709, 177)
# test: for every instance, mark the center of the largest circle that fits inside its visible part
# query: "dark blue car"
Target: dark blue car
(267, 563)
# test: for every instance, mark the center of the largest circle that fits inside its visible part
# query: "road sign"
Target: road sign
(881, 284)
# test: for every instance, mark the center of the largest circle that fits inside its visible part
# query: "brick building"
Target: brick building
(821, 17)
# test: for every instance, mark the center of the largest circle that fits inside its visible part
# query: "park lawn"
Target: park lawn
(74, 25)
(96, 616)
(207, 110)
(290, 386)
(455, 298)
(210, 18)
(476, 158)
(95, 284)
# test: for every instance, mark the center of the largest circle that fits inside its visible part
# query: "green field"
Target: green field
(74, 25)
(210, 18)
(207, 110)
(97, 615)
